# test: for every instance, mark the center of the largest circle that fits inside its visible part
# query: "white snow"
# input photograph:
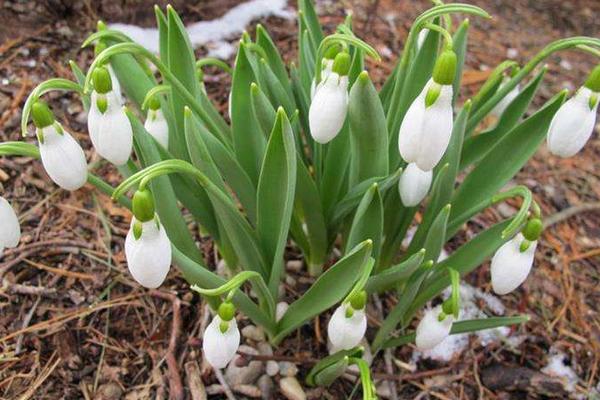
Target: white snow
(557, 368)
(214, 34)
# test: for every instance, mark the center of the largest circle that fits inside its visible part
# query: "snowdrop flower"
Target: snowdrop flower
(433, 328)
(62, 157)
(414, 185)
(348, 324)
(325, 72)
(330, 105)
(156, 124)
(221, 337)
(426, 128)
(108, 125)
(574, 122)
(499, 109)
(512, 262)
(10, 230)
(147, 247)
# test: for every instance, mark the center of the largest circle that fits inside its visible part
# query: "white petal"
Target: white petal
(572, 125)
(63, 158)
(411, 128)
(10, 230)
(329, 108)
(431, 331)
(325, 72)
(157, 126)
(414, 185)
(499, 109)
(436, 130)
(346, 333)
(280, 310)
(510, 266)
(421, 38)
(219, 348)
(110, 132)
(149, 257)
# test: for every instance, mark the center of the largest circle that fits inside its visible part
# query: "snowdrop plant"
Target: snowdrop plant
(340, 176)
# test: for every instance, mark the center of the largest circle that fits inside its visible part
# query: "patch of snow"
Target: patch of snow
(214, 33)
(557, 368)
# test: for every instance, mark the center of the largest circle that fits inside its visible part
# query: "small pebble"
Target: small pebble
(291, 389)
(266, 386)
(254, 333)
(287, 368)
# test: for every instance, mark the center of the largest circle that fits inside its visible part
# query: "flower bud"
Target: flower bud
(10, 230)
(347, 326)
(414, 185)
(220, 345)
(329, 108)
(427, 126)
(573, 123)
(156, 125)
(444, 69)
(148, 252)
(511, 264)
(143, 205)
(433, 328)
(109, 128)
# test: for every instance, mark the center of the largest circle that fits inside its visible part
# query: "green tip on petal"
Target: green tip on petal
(342, 63)
(137, 230)
(41, 115)
(143, 205)
(524, 245)
(101, 80)
(432, 94)
(445, 68)
(593, 80)
(533, 229)
(226, 311)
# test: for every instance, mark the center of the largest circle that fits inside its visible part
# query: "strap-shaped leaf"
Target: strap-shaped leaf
(328, 290)
(395, 275)
(502, 163)
(308, 13)
(278, 94)
(334, 176)
(249, 145)
(263, 110)
(368, 221)
(436, 236)
(368, 132)
(263, 39)
(331, 367)
(275, 196)
(163, 33)
(466, 326)
(459, 45)
(397, 219)
(478, 146)
(164, 196)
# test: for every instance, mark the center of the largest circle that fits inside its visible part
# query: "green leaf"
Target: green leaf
(307, 12)
(368, 221)
(395, 275)
(490, 86)
(397, 219)
(502, 162)
(478, 146)
(248, 144)
(436, 236)
(263, 110)
(459, 45)
(331, 367)
(368, 132)
(278, 94)
(275, 196)
(273, 57)
(466, 326)
(328, 290)
(334, 176)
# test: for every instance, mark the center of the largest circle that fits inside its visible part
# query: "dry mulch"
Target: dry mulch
(73, 324)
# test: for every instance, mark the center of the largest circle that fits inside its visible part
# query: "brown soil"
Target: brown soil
(74, 325)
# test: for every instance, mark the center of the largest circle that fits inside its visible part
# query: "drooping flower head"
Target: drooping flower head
(156, 124)
(574, 121)
(330, 105)
(433, 328)
(147, 247)
(116, 85)
(108, 125)
(221, 337)
(427, 126)
(512, 262)
(348, 323)
(62, 157)
(414, 185)
(10, 230)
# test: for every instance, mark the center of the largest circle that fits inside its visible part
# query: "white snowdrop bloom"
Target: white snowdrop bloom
(414, 185)
(157, 126)
(62, 157)
(573, 123)
(325, 72)
(110, 131)
(425, 131)
(220, 347)
(499, 109)
(510, 266)
(329, 108)
(10, 230)
(346, 333)
(431, 331)
(148, 255)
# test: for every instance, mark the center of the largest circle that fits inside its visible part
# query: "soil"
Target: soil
(73, 324)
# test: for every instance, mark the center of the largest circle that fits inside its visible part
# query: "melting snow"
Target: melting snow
(215, 33)
(557, 368)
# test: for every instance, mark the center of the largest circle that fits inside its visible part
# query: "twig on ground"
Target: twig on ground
(25, 324)
(569, 212)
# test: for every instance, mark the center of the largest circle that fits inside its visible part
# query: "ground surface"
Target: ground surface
(74, 325)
